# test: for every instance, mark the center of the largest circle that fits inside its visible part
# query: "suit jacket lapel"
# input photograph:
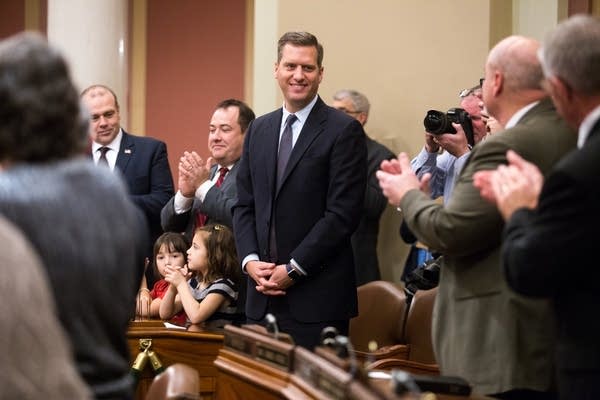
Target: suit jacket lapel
(213, 171)
(230, 177)
(312, 128)
(125, 152)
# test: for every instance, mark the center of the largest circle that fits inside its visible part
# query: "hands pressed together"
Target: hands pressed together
(271, 279)
(177, 275)
(193, 171)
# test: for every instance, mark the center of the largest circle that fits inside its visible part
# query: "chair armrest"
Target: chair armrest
(396, 351)
(406, 365)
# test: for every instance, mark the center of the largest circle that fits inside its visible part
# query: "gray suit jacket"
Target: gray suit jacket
(217, 205)
(482, 330)
(90, 237)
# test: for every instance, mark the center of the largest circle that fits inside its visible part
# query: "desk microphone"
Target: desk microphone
(328, 335)
(345, 350)
(272, 325)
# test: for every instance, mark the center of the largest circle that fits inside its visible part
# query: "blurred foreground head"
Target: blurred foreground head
(40, 119)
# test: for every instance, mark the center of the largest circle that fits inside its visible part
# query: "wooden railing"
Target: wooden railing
(195, 347)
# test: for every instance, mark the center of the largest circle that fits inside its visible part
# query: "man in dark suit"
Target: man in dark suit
(498, 340)
(142, 161)
(364, 240)
(550, 235)
(301, 185)
(207, 189)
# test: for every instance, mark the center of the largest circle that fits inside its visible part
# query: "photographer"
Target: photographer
(444, 167)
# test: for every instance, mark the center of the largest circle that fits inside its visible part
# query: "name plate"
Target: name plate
(261, 347)
(320, 374)
(277, 357)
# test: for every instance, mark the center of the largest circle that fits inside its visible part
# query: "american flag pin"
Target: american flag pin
(127, 151)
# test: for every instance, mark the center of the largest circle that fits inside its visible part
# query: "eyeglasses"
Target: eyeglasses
(481, 82)
(467, 92)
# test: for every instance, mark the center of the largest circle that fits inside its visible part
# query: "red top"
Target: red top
(158, 291)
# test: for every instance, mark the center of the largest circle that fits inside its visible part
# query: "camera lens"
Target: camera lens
(437, 122)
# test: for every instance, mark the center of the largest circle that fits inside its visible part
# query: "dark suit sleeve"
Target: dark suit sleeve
(375, 201)
(344, 202)
(244, 224)
(171, 221)
(539, 244)
(161, 183)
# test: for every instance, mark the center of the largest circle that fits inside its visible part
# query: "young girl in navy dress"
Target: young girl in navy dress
(206, 289)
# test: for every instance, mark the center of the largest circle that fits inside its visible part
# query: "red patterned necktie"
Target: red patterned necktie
(201, 218)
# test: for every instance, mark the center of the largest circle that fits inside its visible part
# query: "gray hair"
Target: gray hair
(516, 57)
(572, 52)
(359, 100)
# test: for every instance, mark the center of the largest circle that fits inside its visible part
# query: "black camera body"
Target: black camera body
(437, 123)
(426, 276)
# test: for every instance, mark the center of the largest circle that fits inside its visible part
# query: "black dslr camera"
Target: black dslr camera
(436, 122)
(426, 276)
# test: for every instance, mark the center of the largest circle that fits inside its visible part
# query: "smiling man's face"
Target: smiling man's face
(225, 136)
(298, 75)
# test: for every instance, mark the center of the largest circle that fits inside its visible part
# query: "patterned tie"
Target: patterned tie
(201, 218)
(285, 147)
(102, 160)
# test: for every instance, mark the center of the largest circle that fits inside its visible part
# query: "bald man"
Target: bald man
(499, 341)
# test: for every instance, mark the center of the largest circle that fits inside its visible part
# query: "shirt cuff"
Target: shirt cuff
(247, 259)
(203, 189)
(181, 203)
(298, 267)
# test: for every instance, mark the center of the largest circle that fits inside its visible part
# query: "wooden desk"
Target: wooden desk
(195, 347)
(252, 366)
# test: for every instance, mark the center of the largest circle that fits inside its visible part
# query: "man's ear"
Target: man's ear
(560, 89)
(498, 83)
(362, 118)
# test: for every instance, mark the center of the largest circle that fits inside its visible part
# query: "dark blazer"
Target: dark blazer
(364, 240)
(482, 330)
(549, 252)
(315, 210)
(144, 165)
(217, 205)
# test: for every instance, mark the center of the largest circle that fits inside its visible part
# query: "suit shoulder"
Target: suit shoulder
(583, 163)
(268, 117)
(146, 141)
(374, 147)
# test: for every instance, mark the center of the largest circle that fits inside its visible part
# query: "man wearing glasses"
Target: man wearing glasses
(444, 167)
(364, 239)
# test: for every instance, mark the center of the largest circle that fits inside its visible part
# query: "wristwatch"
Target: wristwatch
(292, 272)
